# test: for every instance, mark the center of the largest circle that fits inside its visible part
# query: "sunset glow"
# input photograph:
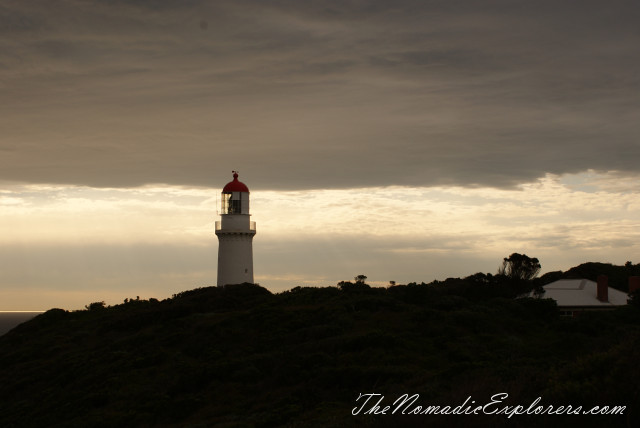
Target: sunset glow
(155, 241)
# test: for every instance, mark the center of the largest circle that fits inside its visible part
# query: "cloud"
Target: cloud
(310, 95)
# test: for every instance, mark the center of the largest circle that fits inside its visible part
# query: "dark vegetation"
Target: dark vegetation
(241, 356)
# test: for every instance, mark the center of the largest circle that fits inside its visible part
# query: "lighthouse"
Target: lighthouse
(235, 234)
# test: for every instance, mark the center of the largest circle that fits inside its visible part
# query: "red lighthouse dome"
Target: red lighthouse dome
(235, 185)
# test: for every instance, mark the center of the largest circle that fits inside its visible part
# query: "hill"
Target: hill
(241, 356)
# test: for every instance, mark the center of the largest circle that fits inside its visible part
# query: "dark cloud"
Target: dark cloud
(317, 94)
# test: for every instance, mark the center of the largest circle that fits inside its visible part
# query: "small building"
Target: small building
(578, 295)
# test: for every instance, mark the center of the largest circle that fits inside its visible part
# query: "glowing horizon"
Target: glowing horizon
(85, 244)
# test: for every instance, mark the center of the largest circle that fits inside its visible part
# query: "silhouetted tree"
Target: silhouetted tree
(358, 286)
(360, 279)
(520, 267)
(95, 306)
(520, 270)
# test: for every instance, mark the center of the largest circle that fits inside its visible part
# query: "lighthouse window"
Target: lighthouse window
(235, 206)
(231, 203)
(225, 202)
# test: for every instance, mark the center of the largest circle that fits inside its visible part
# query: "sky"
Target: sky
(403, 140)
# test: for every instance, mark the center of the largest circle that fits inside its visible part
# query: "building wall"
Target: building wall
(235, 258)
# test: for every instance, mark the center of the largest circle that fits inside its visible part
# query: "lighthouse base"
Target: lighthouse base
(235, 258)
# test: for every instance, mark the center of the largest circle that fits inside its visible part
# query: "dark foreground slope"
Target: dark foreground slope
(243, 357)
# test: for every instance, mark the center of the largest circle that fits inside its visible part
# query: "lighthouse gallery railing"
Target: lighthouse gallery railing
(252, 225)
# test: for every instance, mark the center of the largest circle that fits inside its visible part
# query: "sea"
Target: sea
(9, 320)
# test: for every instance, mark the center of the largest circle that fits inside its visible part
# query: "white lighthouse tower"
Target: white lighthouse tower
(235, 235)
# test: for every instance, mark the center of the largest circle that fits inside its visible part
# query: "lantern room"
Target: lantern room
(235, 197)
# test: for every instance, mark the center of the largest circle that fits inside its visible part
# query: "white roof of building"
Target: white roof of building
(581, 292)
